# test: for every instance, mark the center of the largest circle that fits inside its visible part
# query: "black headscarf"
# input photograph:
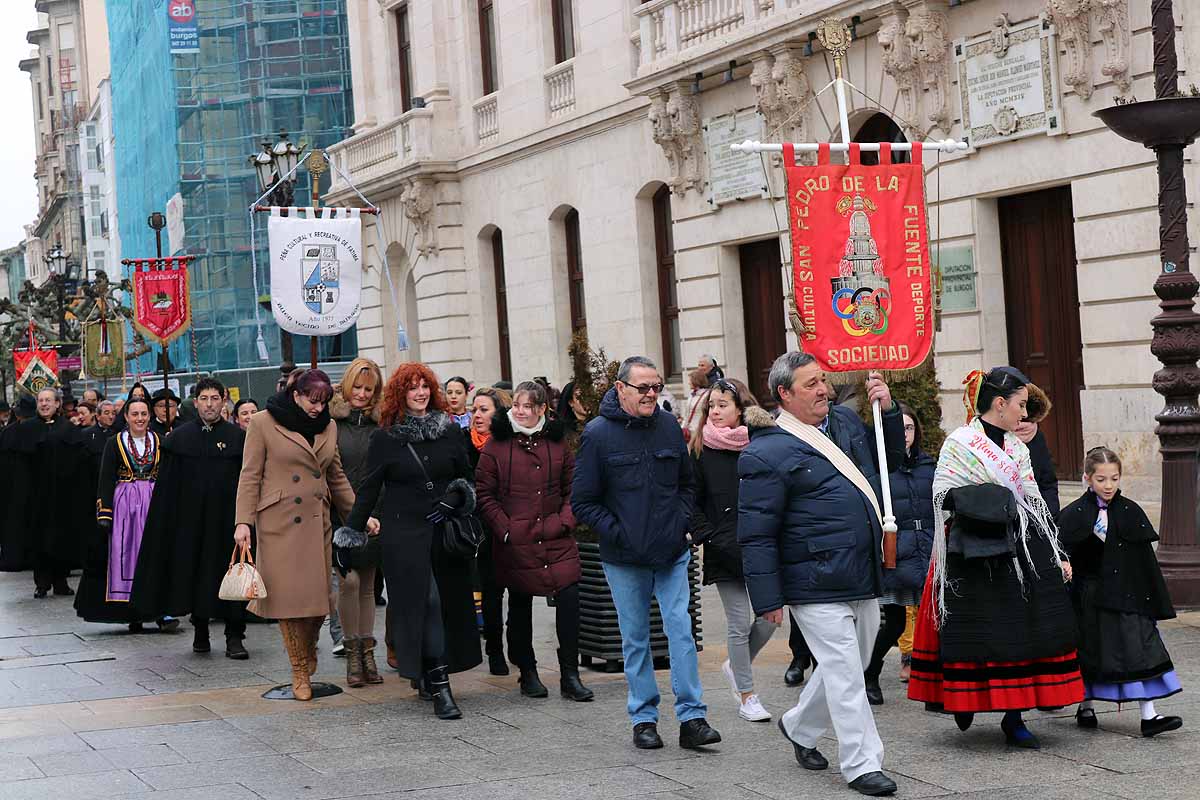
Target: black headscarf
(287, 413)
(565, 413)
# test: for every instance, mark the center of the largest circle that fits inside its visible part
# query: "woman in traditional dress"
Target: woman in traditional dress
(995, 630)
(128, 469)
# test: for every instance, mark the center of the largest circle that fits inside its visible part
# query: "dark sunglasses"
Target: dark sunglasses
(646, 388)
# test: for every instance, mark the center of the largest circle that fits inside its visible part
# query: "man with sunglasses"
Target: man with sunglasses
(633, 487)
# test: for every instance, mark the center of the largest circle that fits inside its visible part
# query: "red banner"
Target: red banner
(860, 256)
(36, 368)
(162, 309)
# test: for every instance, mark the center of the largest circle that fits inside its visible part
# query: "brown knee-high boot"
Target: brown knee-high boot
(314, 636)
(295, 640)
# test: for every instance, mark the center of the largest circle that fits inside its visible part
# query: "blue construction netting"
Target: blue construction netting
(188, 122)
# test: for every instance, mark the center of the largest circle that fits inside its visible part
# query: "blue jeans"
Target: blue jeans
(632, 588)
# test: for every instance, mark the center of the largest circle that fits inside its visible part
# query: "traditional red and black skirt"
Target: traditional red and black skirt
(1003, 647)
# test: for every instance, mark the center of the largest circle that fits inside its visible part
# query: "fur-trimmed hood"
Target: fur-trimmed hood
(758, 417)
(428, 428)
(339, 407)
(502, 429)
(1039, 405)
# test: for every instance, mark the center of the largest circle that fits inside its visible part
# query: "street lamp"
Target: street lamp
(56, 261)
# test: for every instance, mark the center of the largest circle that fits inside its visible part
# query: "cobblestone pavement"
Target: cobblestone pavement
(90, 711)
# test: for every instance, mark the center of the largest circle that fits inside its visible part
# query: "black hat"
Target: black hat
(26, 407)
(4, 405)
(163, 394)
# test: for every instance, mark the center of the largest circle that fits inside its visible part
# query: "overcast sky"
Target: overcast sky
(18, 199)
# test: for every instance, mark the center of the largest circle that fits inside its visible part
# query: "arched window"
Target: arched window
(668, 292)
(575, 271)
(881, 128)
(502, 334)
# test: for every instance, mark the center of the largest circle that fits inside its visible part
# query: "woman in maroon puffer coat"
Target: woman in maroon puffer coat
(523, 489)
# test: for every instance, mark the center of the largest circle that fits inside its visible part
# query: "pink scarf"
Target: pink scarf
(726, 438)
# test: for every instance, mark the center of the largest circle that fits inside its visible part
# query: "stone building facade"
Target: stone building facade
(546, 165)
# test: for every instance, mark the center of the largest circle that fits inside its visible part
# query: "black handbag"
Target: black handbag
(461, 535)
(356, 550)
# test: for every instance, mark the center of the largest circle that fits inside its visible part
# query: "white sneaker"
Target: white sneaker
(728, 670)
(753, 710)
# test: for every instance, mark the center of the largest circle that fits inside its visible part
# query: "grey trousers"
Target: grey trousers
(746, 634)
(841, 636)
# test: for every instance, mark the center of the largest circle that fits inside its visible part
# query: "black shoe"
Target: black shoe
(794, 676)
(63, 589)
(569, 684)
(380, 600)
(531, 684)
(40, 594)
(438, 681)
(496, 663)
(135, 627)
(167, 623)
(1019, 736)
(235, 649)
(1086, 718)
(874, 784)
(697, 733)
(421, 687)
(874, 693)
(1160, 724)
(963, 719)
(200, 640)
(645, 736)
(807, 757)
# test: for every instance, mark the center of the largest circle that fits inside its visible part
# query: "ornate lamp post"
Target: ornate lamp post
(271, 164)
(56, 260)
(1168, 124)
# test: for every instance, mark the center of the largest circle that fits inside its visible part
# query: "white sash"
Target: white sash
(999, 464)
(832, 453)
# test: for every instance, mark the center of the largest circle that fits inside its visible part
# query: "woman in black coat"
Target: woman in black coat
(912, 502)
(488, 403)
(721, 435)
(432, 621)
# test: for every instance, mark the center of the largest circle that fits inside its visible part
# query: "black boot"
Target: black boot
(794, 676)
(531, 684)
(200, 640)
(496, 663)
(874, 693)
(569, 683)
(438, 682)
(235, 648)
(62, 588)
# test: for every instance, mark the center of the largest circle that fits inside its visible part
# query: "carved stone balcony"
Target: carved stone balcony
(382, 151)
(560, 89)
(487, 120)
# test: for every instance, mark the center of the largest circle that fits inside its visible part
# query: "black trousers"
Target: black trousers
(566, 625)
(235, 619)
(49, 571)
(894, 619)
(493, 601)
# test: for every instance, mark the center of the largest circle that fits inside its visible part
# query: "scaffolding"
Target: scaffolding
(263, 66)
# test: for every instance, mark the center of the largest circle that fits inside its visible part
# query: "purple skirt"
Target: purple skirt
(131, 503)
(1150, 689)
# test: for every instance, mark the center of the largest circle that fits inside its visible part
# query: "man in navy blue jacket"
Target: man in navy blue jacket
(633, 487)
(811, 536)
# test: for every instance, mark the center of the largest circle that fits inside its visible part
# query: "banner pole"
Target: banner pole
(317, 164)
(835, 37)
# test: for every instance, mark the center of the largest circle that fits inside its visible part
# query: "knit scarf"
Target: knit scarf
(961, 464)
(719, 438)
(286, 412)
(519, 428)
(479, 439)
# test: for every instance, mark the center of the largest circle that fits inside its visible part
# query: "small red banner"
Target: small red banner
(36, 368)
(860, 257)
(162, 309)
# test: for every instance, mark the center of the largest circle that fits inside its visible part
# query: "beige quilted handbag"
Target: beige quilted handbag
(242, 581)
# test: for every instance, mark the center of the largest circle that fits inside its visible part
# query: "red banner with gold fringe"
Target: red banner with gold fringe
(162, 309)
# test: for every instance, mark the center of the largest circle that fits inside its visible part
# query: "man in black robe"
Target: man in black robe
(188, 537)
(14, 493)
(59, 505)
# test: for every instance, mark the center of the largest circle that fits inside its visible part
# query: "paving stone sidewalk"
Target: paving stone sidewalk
(90, 711)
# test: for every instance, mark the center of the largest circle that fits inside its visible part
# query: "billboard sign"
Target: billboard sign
(181, 26)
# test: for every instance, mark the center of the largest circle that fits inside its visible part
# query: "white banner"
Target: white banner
(316, 269)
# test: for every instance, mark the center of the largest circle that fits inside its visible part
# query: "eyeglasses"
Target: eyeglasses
(647, 388)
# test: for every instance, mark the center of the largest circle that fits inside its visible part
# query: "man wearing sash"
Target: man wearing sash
(812, 541)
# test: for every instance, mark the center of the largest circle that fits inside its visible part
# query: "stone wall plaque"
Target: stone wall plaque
(733, 176)
(1008, 82)
(957, 265)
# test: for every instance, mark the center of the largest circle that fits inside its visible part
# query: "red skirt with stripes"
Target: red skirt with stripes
(966, 686)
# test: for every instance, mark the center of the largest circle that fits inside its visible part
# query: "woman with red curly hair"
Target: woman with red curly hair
(420, 454)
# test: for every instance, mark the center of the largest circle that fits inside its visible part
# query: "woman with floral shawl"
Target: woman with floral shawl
(995, 629)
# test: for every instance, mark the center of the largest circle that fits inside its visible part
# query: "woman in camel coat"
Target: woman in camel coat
(291, 472)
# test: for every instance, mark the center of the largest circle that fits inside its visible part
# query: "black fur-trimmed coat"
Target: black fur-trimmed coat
(412, 554)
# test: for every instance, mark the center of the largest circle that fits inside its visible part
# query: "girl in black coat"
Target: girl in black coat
(912, 500)
(721, 435)
(1119, 595)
